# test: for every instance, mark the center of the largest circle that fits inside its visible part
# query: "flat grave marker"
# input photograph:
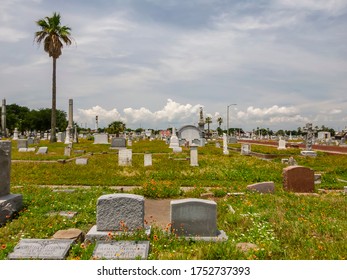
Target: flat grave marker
(121, 250)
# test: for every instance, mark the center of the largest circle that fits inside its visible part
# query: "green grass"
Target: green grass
(282, 225)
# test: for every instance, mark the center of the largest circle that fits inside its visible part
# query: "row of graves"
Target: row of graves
(121, 213)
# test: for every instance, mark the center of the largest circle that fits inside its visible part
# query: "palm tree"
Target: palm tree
(219, 120)
(53, 35)
(208, 120)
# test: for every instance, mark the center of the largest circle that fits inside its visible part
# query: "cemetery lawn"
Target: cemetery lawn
(283, 225)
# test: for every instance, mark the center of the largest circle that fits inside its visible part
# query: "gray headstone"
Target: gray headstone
(263, 187)
(22, 143)
(67, 151)
(100, 138)
(5, 167)
(30, 141)
(194, 217)
(117, 211)
(118, 143)
(45, 249)
(125, 157)
(42, 151)
(121, 250)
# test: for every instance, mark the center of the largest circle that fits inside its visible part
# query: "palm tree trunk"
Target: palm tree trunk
(54, 102)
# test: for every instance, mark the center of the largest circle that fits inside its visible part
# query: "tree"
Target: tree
(53, 34)
(219, 121)
(116, 127)
(208, 120)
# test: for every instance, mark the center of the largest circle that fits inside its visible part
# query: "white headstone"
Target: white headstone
(148, 160)
(194, 155)
(225, 144)
(281, 144)
(125, 157)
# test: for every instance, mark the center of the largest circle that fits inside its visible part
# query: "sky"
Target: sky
(153, 63)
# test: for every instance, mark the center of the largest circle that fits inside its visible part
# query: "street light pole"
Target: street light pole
(228, 119)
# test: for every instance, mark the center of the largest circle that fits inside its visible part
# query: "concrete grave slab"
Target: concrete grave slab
(44, 249)
(81, 161)
(121, 250)
(42, 150)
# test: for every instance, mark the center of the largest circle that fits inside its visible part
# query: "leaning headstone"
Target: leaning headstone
(42, 151)
(121, 250)
(125, 157)
(22, 143)
(74, 234)
(245, 149)
(43, 249)
(119, 211)
(263, 187)
(194, 155)
(195, 218)
(9, 203)
(148, 160)
(298, 179)
(101, 138)
(118, 143)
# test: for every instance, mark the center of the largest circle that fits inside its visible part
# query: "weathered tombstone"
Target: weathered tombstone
(81, 161)
(100, 138)
(125, 157)
(217, 145)
(42, 151)
(44, 249)
(298, 179)
(9, 203)
(130, 142)
(148, 160)
(59, 137)
(194, 217)
(30, 141)
(225, 144)
(118, 143)
(120, 211)
(263, 187)
(194, 155)
(22, 143)
(245, 149)
(232, 140)
(121, 250)
(67, 151)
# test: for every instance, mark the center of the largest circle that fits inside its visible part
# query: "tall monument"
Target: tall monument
(201, 120)
(3, 118)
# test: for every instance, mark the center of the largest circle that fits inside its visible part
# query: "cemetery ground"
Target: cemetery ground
(282, 225)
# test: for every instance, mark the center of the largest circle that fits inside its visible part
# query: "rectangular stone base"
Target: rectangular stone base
(9, 205)
(96, 235)
(218, 238)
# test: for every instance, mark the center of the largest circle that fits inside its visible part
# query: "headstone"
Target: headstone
(148, 160)
(194, 155)
(44, 249)
(21, 150)
(245, 149)
(67, 151)
(30, 141)
(100, 138)
(194, 217)
(9, 203)
(298, 179)
(174, 143)
(118, 143)
(74, 234)
(15, 134)
(281, 144)
(130, 143)
(225, 144)
(42, 150)
(68, 135)
(263, 187)
(232, 140)
(22, 143)
(308, 153)
(59, 137)
(217, 145)
(81, 161)
(121, 250)
(125, 157)
(120, 211)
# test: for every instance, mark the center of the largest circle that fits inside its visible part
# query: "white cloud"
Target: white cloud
(88, 116)
(252, 112)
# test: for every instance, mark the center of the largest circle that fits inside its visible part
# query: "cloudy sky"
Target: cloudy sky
(154, 63)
